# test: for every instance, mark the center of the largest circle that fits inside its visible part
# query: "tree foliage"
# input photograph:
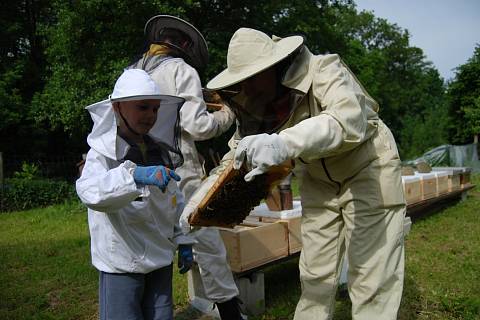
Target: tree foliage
(464, 101)
(88, 45)
(408, 88)
(59, 56)
(22, 66)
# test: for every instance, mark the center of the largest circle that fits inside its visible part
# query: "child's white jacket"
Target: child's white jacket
(132, 228)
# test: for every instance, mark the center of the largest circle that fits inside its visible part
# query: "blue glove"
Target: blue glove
(185, 257)
(154, 175)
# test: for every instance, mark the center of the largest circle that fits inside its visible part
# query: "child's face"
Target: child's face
(140, 114)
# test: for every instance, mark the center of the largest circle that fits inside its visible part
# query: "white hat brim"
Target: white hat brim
(163, 98)
(284, 48)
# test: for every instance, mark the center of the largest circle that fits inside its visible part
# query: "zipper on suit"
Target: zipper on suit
(330, 178)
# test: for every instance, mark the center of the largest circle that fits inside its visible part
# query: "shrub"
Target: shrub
(27, 193)
(29, 172)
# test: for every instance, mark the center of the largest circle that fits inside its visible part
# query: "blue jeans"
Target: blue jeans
(134, 296)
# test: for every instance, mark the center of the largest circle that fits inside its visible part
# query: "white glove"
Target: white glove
(262, 151)
(195, 200)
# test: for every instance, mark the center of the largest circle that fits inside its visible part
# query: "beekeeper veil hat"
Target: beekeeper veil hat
(250, 52)
(136, 84)
(179, 35)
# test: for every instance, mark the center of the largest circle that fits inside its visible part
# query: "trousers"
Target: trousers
(134, 296)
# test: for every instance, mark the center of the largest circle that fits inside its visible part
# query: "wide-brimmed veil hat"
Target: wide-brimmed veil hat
(136, 84)
(197, 53)
(250, 52)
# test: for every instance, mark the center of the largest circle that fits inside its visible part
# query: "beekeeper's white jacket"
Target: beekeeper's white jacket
(133, 229)
(352, 197)
(178, 78)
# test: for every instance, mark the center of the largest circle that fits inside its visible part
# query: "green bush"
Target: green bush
(27, 193)
(29, 171)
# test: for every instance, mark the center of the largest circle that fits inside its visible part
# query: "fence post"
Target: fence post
(1, 169)
(475, 142)
(1, 181)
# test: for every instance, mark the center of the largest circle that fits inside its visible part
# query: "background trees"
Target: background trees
(59, 56)
(464, 100)
(22, 65)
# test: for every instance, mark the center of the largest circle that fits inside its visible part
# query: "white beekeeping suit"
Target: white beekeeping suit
(133, 228)
(170, 70)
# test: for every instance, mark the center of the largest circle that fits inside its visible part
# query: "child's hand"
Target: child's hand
(185, 257)
(154, 175)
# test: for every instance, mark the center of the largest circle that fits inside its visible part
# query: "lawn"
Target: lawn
(46, 271)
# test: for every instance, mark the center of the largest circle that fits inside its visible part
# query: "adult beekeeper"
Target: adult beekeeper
(175, 50)
(291, 104)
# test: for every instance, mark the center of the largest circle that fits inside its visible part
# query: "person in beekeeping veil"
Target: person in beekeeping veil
(130, 187)
(292, 104)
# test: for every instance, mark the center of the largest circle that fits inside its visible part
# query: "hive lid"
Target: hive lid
(410, 178)
(450, 170)
(441, 173)
(425, 176)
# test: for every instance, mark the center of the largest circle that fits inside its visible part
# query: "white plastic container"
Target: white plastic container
(263, 211)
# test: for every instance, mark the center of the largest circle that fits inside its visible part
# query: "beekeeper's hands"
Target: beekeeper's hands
(185, 258)
(261, 152)
(195, 200)
(154, 175)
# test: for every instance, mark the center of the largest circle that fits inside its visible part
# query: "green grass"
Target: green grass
(443, 264)
(45, 261)
(46, 271)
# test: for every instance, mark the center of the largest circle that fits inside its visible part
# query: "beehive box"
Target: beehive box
(465, 176)
(253, 244)
(453, 177)
(412, 189)
(293, 226)
(428, 184)
(442, 182)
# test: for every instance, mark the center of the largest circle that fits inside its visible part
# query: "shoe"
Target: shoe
(230, 310)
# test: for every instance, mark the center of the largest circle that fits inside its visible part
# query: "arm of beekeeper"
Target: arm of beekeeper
(344, 123)
(180, 237)
(227, 157)
(104, 189)
(207, 184)
(194, 117)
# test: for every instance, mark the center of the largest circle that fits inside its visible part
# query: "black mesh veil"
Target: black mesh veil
(254, 118)
(162, 143)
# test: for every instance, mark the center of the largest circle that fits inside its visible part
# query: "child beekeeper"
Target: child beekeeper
(129, 186)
